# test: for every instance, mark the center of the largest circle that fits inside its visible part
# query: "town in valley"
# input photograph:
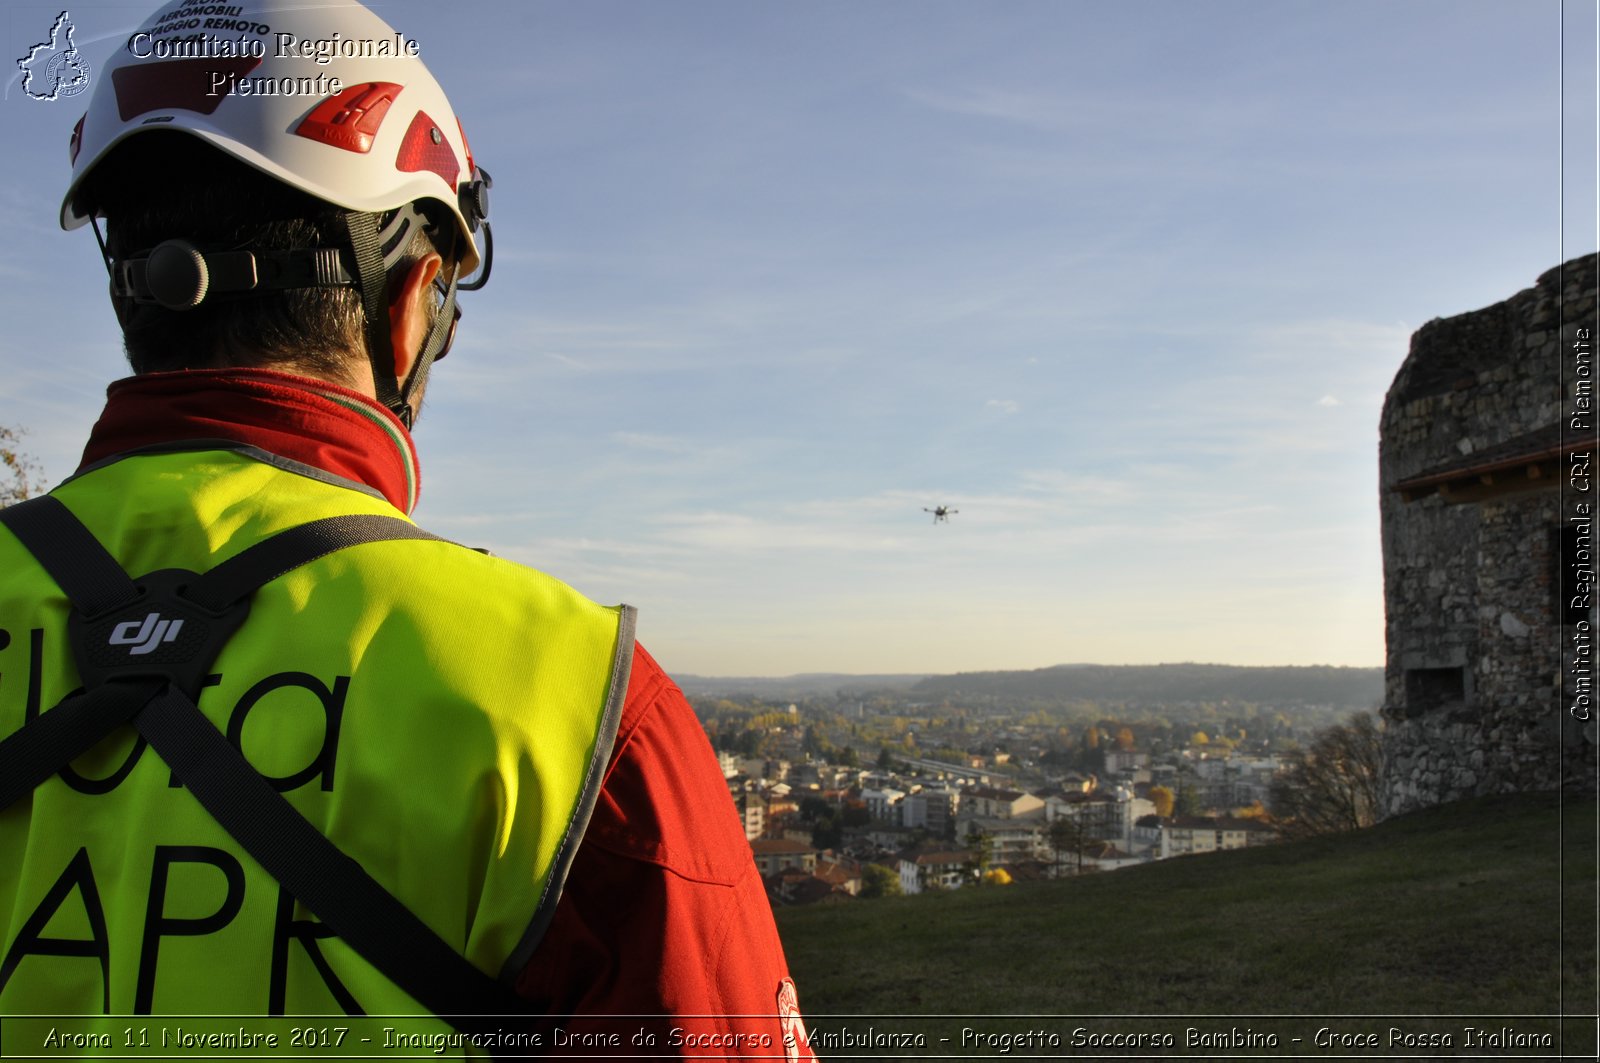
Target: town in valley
(856, 787)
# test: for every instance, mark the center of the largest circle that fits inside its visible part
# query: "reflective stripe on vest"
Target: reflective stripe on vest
(439, 714)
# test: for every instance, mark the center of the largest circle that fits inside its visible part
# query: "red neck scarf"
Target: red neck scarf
(322, 425)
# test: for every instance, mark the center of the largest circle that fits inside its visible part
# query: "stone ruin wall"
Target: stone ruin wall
(1476, 653)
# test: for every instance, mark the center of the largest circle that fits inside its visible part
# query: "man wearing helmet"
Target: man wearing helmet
(368, 771)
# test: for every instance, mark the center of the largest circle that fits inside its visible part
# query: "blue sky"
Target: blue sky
(1124, 283)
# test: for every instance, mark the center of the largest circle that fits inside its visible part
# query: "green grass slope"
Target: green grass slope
(1479, 907)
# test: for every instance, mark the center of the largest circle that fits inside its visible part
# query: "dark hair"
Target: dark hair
(161, 185)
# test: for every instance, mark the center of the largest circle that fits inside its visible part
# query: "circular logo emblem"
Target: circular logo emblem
(67, 73)
(790, 1022)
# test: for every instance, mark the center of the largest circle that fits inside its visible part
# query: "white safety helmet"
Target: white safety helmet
(322, 95)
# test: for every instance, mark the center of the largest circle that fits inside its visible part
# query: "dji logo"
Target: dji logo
(144, 635)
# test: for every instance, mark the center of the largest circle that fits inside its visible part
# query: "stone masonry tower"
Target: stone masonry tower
(1486, 440)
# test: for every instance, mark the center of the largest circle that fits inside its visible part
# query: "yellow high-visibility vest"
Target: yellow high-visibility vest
(442, 716)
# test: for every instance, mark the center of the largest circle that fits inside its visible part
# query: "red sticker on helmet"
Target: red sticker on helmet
(178, 84)
(351, 119)
(425, 148)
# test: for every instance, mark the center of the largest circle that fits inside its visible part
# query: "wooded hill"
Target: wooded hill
(1158, 684)
(1166, 684)
(794, 687)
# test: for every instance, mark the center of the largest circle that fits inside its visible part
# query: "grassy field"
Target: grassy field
(1484, 907)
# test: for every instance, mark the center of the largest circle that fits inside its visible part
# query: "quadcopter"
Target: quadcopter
(941, 513)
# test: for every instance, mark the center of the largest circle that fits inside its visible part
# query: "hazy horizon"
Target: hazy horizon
(826, 673)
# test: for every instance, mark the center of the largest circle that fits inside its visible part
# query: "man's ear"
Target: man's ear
(409, 312)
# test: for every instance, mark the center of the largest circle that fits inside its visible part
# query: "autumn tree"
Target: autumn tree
(19, 476)
(1330, 785)
(1164, 800)
(879, 881)
(1254, 810)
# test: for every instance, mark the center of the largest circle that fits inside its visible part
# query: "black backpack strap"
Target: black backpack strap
(350, 902)
(32, 754)
(240, 576)
(300, 857)
(81, 567)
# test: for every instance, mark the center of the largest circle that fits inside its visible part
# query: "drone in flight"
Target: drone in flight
(941, 513)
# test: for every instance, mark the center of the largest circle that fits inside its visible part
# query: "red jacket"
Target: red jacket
(664, 929)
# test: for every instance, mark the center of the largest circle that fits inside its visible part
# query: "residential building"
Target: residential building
(1119, 761)
(1107, 856)
(1010, 840)
(932, 810)
(755, 818)
(843, 875)
(989, 802)
(773, 855)
(1183, 835)
(1102, 814)
(938, 870)
(883, 805)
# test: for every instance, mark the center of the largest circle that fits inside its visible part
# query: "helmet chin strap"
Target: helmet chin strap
(376, 251)
(433, 346)
(372, 281)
